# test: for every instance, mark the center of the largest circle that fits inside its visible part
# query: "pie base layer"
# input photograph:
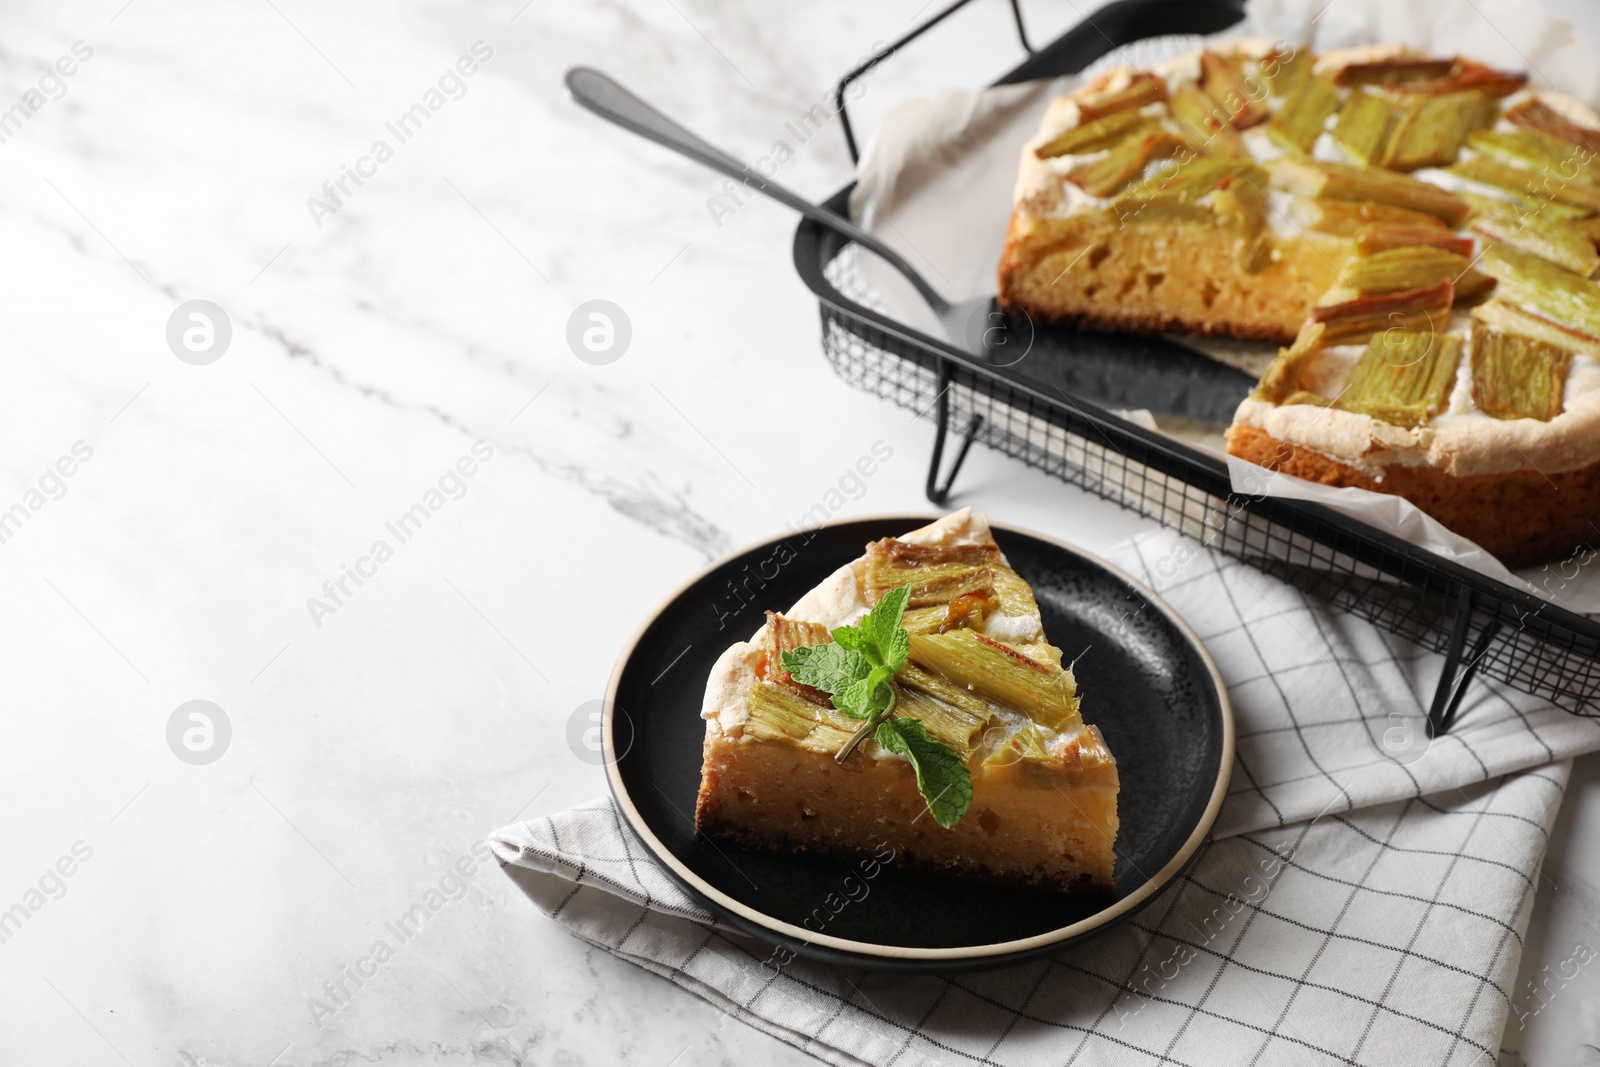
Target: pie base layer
(1085, 270)
(1028, 825)
(1520, 517)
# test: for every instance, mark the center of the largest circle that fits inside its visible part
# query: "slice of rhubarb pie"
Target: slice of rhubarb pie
(912, 701)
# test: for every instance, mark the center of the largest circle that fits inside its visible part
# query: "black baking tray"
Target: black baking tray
(1050, 422)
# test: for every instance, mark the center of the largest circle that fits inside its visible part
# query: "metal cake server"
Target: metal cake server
(1114, 370)
(601, 94)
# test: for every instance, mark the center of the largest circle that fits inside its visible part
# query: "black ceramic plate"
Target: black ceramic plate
(1146, 682)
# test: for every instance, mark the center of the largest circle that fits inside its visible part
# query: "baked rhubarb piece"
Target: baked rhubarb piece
(1229, 191)
(912, 700)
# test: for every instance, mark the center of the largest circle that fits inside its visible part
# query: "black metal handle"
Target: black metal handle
(602, 94)
(885, 53)
(1109, 27)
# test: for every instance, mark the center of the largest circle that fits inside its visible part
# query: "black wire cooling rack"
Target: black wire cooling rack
(1479, 624)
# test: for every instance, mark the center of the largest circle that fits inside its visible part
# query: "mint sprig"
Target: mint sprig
(857, 672)
(857, 667)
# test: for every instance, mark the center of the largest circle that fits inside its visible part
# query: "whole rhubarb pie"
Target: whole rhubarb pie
(912, 702)
(1422, 229)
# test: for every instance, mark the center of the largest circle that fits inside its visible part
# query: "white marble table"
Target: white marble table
(202, 544)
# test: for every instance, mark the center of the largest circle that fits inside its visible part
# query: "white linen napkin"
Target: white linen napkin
(1356, 904)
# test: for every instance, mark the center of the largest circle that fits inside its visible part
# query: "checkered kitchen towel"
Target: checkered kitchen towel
(1350, 908)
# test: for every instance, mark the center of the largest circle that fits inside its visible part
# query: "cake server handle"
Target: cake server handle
(605, 97)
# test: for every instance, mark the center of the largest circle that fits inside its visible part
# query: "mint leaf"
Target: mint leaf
(942, 779)
(887, 644)
(897, 650)
(852, 699)
(867, 697)
(829, 667)
(850, 637)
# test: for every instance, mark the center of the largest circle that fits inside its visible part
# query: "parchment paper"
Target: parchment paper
(936, 182)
